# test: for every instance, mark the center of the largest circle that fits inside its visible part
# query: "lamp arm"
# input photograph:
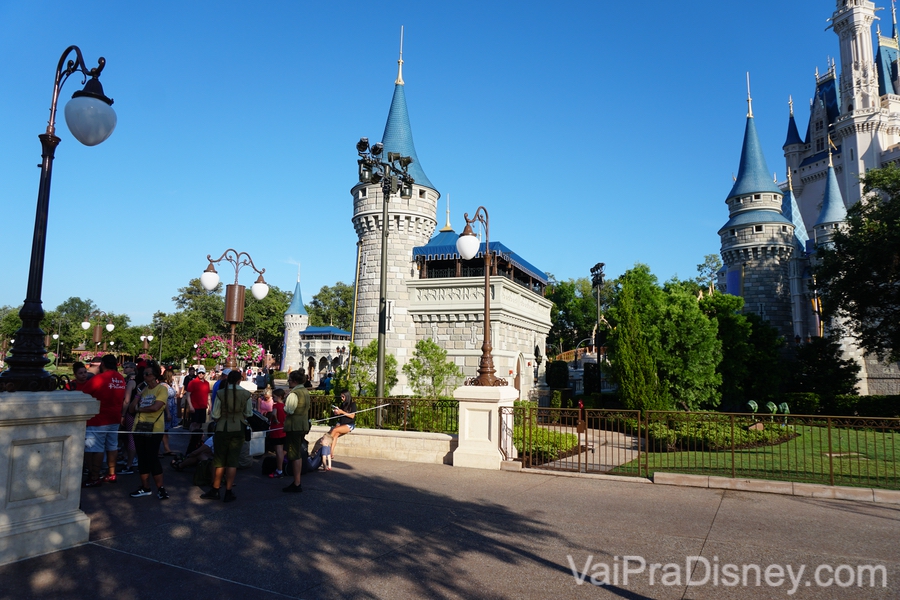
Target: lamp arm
(237, 261)
(62, 74)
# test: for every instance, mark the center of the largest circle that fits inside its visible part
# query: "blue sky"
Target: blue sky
(592, 131)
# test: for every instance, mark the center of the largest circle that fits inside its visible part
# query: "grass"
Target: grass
(850, 457)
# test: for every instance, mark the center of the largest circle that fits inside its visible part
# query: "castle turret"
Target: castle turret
(758, 241)
(798, 267)
(410, 223)
(793, 143)
(296, 319)
(852, 22)
(833, 213)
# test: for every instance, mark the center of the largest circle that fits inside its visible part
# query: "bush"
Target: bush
(715, 435)
(546, 444)
(863, 406)
(558, 374)
(802, 403)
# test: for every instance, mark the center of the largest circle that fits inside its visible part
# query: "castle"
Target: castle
(770, 240)
(431, 291)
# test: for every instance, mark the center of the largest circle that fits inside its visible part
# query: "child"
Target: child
(321, 453)
(275, 438)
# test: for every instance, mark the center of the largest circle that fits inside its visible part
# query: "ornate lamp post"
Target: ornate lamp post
(91, 120)
(467, 245)
(341, 350)
(597, 284)
(146, 339)
(234, 292)
(394, 177)
(98, 330)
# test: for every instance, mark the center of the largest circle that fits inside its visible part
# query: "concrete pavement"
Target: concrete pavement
(384, 529)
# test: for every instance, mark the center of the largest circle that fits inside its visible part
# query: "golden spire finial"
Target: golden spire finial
(791, 104)
(894, 16)
(447, 227)
(817, 74)
(830, 146)
(399, 80)
(749, 99)
(790, 181)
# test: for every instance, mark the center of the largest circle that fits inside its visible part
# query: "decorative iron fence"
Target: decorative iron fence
(402, 414)
(848, 451)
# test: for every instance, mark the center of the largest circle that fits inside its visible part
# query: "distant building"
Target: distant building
(317, 350)
(770, 240)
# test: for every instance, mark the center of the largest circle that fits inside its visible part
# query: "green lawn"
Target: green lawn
(864, 458)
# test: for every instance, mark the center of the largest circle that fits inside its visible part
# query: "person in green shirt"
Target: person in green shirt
(296, 425)
(230, 412)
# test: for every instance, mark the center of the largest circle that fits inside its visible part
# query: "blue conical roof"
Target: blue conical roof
(833, 209)
(398, 136)
(753, 175)
(791, 212)
(296, 307)
(793, 136)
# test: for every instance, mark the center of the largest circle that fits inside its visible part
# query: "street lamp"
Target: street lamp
(467, 245)
(234, 292)
(597, 284)
(578, 345)
(146, 339)
(394, 177)
(341, 350)
(98, 330)
(91, 120)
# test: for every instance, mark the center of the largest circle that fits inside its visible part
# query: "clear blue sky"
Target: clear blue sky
(592, 131)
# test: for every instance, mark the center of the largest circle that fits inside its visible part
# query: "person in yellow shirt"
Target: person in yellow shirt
(148, 429)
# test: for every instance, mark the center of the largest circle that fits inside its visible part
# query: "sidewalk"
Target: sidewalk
(383, 529)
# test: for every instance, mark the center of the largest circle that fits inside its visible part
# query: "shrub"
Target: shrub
(802, 403)
(715, 435)
(546, 444)
(558, 374)
(863, 406)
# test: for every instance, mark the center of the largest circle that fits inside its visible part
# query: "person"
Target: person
(230, 411)
(206, 451)
(127, 421)
(171, 410)
(276, 436)
(198, 401)
(150, 410)
(187, 379)
(221, 378)
(329, 382)
(94, 366)
(296, 426)
(264, 402)
(102, 430)
(81, 376)
(261, 380)
(347, 421)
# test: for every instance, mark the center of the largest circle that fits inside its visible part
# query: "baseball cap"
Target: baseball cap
(129, 365)
(201, 369)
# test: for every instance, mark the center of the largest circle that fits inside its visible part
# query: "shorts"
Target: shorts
(198, 416)
(227, 448)
(271, 442)
(352, 426)
(326, 450)
(294, 444)
(101, 438)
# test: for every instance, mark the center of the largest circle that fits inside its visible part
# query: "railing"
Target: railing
(571, 439)
(846, 451)
(569, 355)
(850, 451)
(402, 414)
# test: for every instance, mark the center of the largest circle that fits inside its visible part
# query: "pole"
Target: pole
(382, 301)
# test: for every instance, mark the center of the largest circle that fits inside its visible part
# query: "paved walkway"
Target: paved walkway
(382, 529)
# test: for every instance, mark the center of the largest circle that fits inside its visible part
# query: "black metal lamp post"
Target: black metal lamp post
(467, 245)
(341, 350)
(146, 339)
(394, 177)
(234, 292)
(91, 120)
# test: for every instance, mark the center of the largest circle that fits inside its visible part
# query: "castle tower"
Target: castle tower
(852, 22)
(410, 223)
(833, 213)
(798, 267)
(757, 240)
(296, 319)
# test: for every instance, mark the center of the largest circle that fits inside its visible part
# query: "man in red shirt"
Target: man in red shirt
(197, 403)
(102, 431)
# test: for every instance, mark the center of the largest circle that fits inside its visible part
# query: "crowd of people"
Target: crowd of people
(142, 408)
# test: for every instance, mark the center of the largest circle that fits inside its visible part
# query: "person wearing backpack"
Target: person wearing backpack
(230, 412)
(296, 426)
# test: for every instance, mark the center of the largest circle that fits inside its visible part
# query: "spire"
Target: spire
(447, 227)
(398, 134)
(791, 212)
(399, 80)
(894, 19)
(749, 99)
(753, 174)
(833, 209)
(793, 136)
(296, 307)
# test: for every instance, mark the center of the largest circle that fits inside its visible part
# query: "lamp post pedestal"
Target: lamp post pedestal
(482, 429)
(41, 457)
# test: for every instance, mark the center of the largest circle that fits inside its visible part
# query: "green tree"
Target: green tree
(208, 308)
(688, 352)
(708, 271)
(860, 276)
(332, 306)
(820, 368)
(359, 377)
(631, 341)
(574, 311)
(429, 372)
